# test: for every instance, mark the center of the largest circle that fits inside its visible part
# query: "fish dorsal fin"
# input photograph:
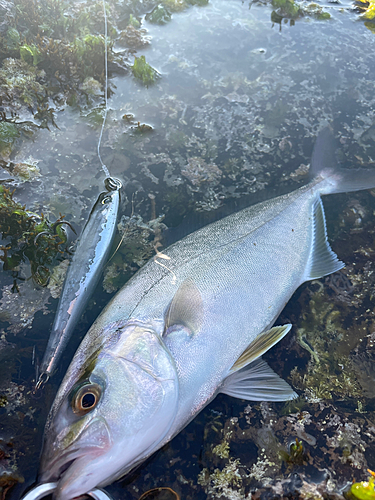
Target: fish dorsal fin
(260, 345)
(257, 382)
(322, 259)
(186, 308)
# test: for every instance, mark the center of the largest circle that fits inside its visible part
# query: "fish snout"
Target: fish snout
(68, 452)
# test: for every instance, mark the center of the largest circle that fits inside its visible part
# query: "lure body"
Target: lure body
(83, 274)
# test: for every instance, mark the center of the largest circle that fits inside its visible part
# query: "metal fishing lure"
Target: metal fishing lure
(83, 274)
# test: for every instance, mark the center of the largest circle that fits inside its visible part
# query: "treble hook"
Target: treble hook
(59, 223)
(43, 379)
(40, 234)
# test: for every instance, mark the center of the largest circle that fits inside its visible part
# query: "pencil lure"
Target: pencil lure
(83, 274)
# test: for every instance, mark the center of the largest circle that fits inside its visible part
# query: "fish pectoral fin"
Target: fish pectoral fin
(186, 308)
(260, 345)
(322, 260)
(257, 382)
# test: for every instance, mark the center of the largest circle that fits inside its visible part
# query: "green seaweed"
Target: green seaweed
(31, 54)
(322, 334)
(286, 8)
(8, 135)
(200, 3)
(175, 5)
(295, 455)
(159, 15)
(30, 237)
(133, 21)
(370, 26)
(316, 11)
(143, 72)
(13, 39)
(180, 5)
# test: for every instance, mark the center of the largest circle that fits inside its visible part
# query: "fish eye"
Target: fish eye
(86, 398)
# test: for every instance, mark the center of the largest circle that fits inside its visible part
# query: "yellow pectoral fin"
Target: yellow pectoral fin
(260, 345)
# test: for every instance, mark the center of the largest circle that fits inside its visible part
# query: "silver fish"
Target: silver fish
(176, 335)
(83, 274)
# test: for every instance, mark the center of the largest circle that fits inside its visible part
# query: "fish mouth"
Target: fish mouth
(72, 472)
(55, 470)
(57, 462)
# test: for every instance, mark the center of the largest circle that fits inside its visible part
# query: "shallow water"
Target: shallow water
(235, 112)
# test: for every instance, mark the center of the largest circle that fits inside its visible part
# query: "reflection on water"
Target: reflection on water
(235, 111)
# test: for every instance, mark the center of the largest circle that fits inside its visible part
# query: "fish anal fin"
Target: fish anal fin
(322, 260)
(257, 382)
(186, 308)
(260, 345)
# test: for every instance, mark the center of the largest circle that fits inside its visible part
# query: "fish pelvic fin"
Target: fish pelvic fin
(186, 308)
(260, 345)
(335, 179)
(322, 259)
(257, 382)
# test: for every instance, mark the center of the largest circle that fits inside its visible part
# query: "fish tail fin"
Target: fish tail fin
(335, 179)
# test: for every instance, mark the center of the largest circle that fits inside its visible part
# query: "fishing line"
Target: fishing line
(105, 169)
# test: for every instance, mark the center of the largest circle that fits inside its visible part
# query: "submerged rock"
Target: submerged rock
(7, 12)
(139, 242)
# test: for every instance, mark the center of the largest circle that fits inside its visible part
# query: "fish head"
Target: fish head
(113, 415)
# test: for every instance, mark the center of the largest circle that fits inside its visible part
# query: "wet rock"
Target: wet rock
(198, 172)
(19, 309)
(91, 86)
(139, 242)
(24, 171)
(57, 278)
(134, 38)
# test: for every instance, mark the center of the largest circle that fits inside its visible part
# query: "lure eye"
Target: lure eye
(107, 199)
(86, 398)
